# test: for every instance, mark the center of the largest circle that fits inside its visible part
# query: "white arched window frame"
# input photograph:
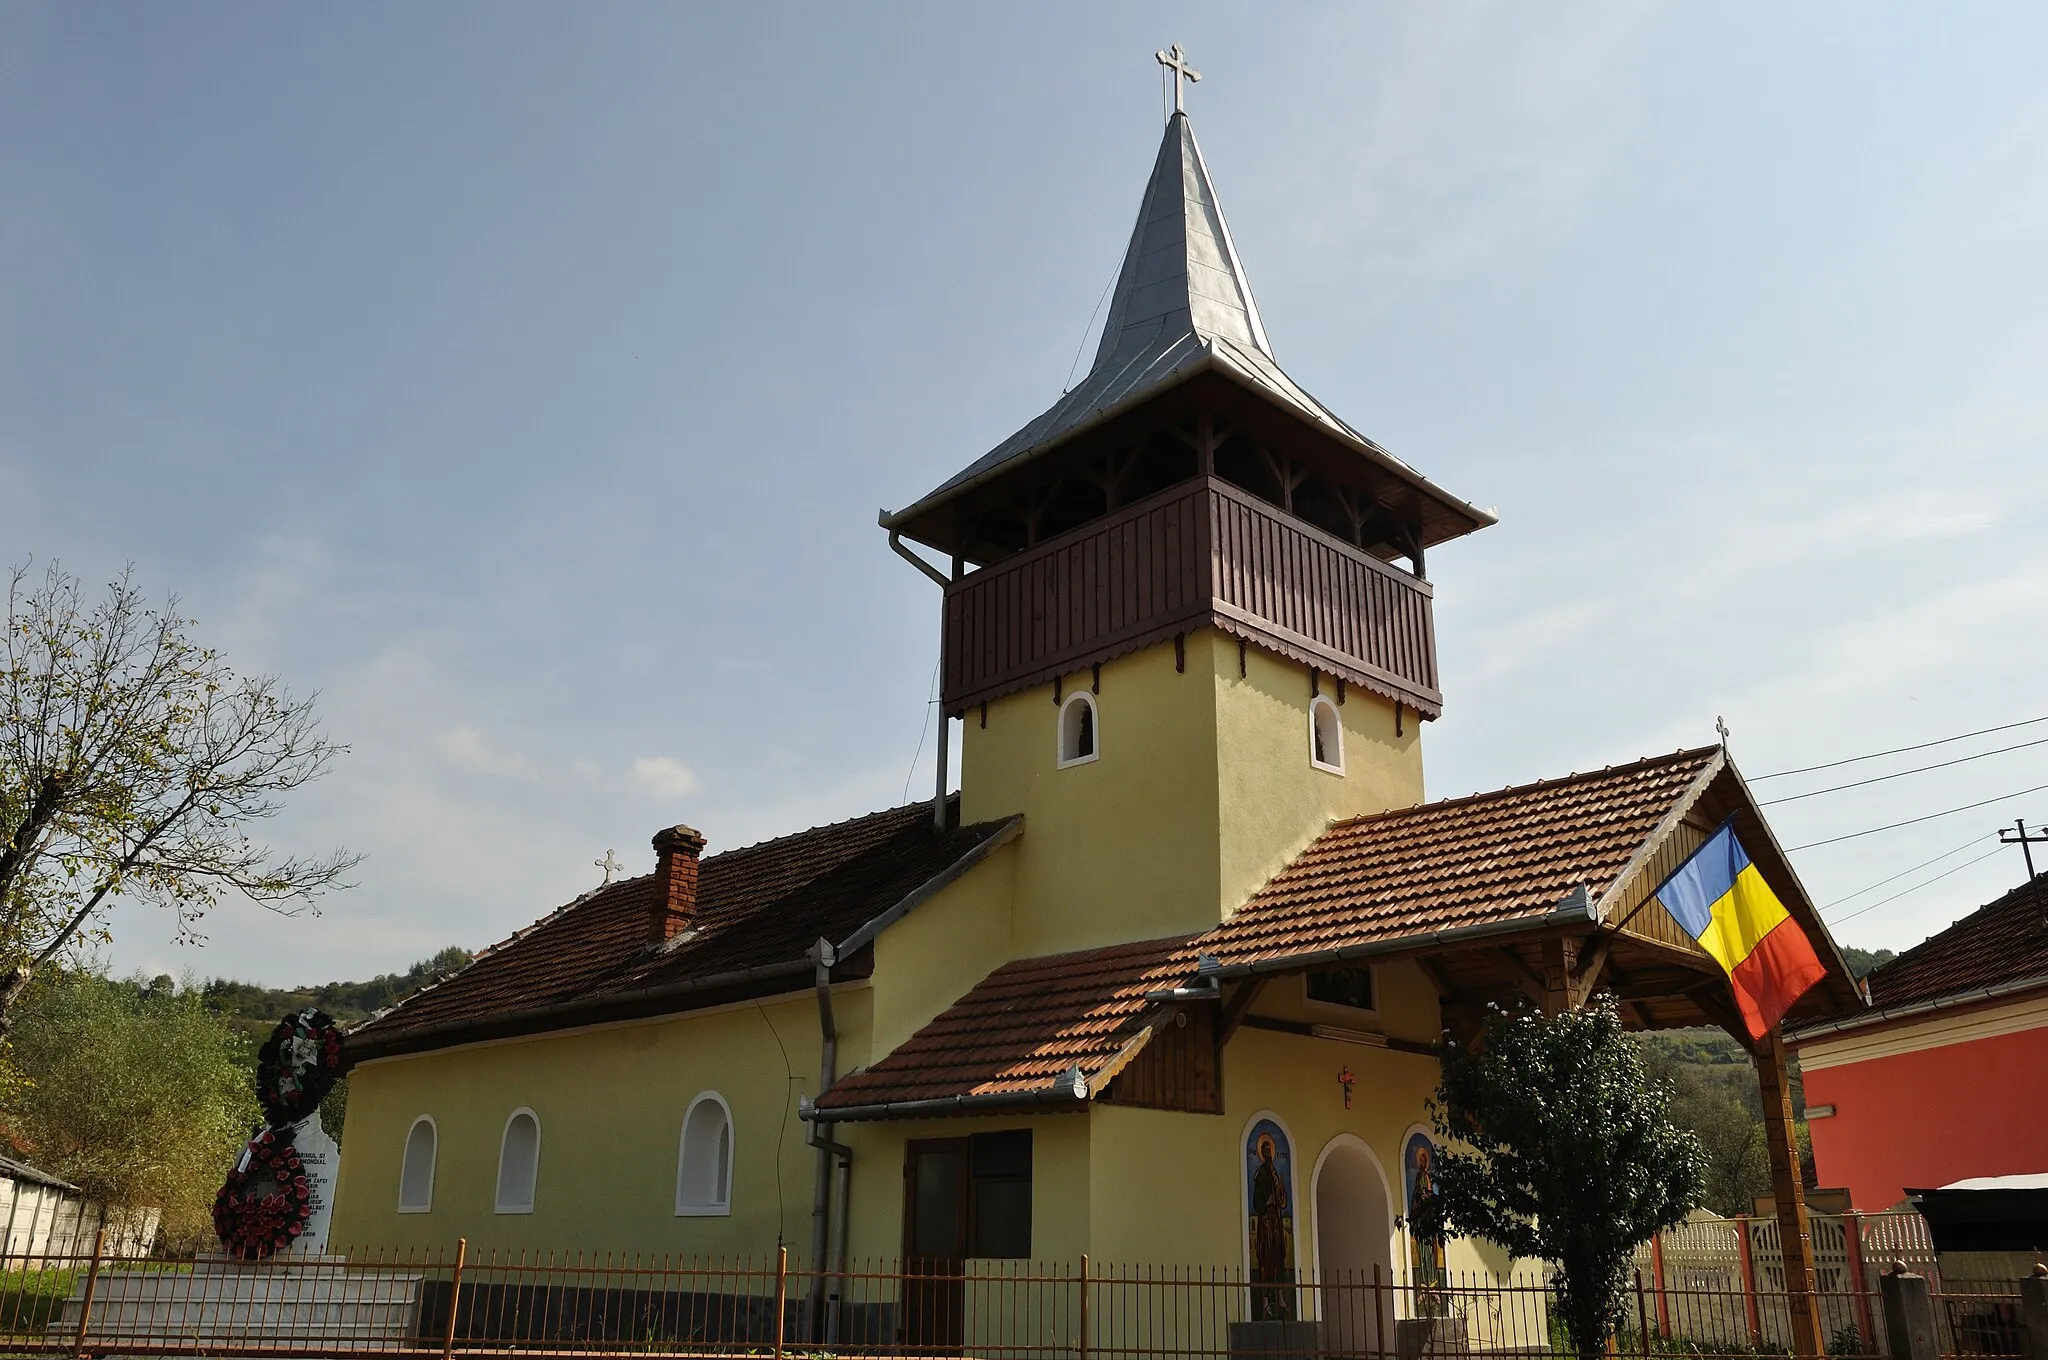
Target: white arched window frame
(518, 1162)
(1325, 736)
(704, 1159)
(416, 1171)
(1080, 730)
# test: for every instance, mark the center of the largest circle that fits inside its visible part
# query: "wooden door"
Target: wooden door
(935, 1208)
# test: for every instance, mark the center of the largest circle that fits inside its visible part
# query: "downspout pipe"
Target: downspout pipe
(939, 791)
(824, 1287)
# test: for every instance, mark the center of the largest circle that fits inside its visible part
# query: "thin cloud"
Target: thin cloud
(468, 749)
(664, 776)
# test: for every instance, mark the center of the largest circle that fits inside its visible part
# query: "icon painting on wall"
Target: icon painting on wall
(1269, 1198)
(1425, 1256)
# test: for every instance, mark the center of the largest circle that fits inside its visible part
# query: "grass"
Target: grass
(31, 1299)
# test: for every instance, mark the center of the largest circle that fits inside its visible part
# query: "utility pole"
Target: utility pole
(2018, 836)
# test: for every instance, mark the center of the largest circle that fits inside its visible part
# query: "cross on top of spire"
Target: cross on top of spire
(1176, 61)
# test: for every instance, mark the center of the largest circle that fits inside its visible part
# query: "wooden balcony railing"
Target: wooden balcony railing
(1200, 554)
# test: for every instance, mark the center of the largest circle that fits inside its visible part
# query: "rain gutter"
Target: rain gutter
(1066, 1091)
(1952, 1001)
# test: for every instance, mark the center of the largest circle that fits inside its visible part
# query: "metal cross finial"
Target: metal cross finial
(1721, 726)
(1176, 61)
(610, 864)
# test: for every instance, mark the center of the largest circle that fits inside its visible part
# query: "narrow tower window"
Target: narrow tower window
(1325, 736)
(704, 1162)
(1079, 741)
(416, 1172)
(518, 1163)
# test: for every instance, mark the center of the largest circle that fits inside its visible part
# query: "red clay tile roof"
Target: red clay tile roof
(763, 905)
(2004, 942)
(1490, 857)
(1023, 1026)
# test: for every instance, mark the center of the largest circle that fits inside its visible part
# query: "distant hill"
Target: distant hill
(255, 1010)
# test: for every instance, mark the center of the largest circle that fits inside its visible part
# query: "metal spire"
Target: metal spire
(1176, 61)
(1181, 274)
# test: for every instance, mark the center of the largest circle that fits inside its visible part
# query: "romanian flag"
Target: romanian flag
(1724, 903)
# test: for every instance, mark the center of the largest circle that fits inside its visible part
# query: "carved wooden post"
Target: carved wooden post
(1795, 1239)
(1560, 956)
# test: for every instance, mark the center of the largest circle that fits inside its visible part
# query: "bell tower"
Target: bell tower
(1187, 621)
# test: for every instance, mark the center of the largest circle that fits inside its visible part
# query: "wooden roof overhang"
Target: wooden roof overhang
(947, 519)
(1621, 940)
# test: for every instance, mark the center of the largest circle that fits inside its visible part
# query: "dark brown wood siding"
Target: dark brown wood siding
(1201, 554)
(1177, 1068)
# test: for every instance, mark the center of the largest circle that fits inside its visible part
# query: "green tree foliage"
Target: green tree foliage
(1558, 1146)
(1861, 961)
(133, 761)
(133, 1090)
(1714, 1095)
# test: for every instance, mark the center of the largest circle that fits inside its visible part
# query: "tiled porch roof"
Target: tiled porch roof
(1493, 858)
(1021, 1029)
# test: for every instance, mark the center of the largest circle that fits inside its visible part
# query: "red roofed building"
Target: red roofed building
(1945, 1078)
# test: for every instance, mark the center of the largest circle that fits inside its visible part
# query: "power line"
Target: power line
(1849, 916)
(1902, 873)
(1896, 750)
(1901, 774)
(1914, 821)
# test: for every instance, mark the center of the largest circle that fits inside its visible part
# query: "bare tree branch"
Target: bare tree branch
(132, 760)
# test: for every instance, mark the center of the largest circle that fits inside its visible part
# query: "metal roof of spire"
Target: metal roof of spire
(1182, 306)
(1181, 272)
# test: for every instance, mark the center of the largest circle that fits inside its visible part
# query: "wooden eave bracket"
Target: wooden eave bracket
(1235, 1009)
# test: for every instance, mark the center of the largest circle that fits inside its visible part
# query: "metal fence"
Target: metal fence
(540, 1304)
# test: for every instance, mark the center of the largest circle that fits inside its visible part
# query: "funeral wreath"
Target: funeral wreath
(267, 1200)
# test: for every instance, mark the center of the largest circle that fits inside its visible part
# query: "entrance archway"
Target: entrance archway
(1354, 1234)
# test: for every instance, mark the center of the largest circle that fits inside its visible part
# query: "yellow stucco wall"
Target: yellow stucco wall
(926, 960)
(610, 1101)
(1202, 791)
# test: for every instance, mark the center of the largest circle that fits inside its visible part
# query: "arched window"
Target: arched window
(1325, 736)
(1080, 741)
(416, 1173)
(704, 1161)
(518, 1163)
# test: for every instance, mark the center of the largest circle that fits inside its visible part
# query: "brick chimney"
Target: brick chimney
(675, 882)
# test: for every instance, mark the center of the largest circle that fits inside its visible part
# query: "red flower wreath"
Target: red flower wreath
(266, 1202)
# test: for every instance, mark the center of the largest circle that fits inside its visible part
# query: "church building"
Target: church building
(1163, 981)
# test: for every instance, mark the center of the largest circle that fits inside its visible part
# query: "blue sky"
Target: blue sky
(526, 380)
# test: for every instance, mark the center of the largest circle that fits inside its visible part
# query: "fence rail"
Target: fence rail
(441, 1304)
